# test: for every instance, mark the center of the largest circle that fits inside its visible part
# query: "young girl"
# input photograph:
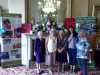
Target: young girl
(82, 52)
(72, 49)
(61, 55)
(39, 50)
(51, 48)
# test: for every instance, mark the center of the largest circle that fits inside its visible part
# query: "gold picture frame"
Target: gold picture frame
(94, 8)
(95, 12)
(28, 14)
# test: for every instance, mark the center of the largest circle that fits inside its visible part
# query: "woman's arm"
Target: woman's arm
(46, 44)
(35, 47)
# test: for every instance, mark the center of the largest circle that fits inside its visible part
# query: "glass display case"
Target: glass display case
(10, 40)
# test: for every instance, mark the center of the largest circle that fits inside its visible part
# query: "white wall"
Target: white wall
(17, 6)
(84, 7)
(4, 4)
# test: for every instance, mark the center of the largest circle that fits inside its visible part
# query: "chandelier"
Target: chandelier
(48, 6)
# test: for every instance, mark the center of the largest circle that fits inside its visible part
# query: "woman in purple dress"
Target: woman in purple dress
(39, 50)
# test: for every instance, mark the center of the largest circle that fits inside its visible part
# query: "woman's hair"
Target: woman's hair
(74, 32)
(6, 21)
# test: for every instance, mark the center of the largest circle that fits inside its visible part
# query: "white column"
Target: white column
(68, 10)
(26, 49)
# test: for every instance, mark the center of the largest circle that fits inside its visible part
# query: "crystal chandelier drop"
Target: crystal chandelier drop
(48, 6)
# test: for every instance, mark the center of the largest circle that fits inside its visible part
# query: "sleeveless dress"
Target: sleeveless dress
(51, 49)
(52, 45)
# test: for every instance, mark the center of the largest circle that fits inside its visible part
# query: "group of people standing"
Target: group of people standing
(61, 47)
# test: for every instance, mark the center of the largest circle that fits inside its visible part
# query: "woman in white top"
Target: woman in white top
(51, 46)
(72, 49)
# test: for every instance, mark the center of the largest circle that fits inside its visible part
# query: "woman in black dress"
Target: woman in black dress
(61, 55)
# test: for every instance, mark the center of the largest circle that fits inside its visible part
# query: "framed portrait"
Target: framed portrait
(96, 13)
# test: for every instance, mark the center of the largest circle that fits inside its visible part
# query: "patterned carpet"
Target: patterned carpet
(26, 71)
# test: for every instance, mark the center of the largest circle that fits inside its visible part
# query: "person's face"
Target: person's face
(52, 32)
(40, 34)
(61, 33)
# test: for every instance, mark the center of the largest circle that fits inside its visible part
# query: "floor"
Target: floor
(22, 70)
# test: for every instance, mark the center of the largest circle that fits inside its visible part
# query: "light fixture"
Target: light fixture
(48, 6)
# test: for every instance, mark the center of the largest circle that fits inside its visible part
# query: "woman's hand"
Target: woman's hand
(34, 53)
(59, 50)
